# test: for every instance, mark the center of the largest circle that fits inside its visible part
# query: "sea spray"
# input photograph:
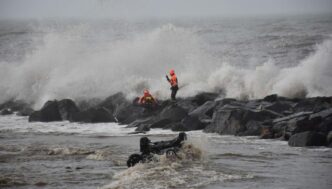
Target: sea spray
(73, 63)
(311, 77)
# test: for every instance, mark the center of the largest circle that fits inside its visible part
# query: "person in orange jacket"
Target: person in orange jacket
(147, 100)
(174, 83)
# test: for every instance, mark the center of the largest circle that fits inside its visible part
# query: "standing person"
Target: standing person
(174, 83)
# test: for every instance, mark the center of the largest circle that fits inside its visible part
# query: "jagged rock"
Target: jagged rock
(204, 111)
(271, 98)
(173, 112)
(189, 124)
(160, 123)
(6, 111)
(232, 120)
(49, 112)
(93, 115)
(67, 108)
(252, 128)
(114, 101)
(127, 113)
(314, 104)
(186, 104)
(308, 138)
(201, 98)
(280, 107)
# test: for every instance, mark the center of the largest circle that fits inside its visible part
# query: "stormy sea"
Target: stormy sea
(88, 60)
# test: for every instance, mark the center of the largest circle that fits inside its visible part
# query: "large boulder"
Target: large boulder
(173, 112)
(205, 111)
(235, 120)
(308, 138)
(67, 108)
(93, 115)
(49, 112)
(127, 113)
(113, 102)
(188, 124)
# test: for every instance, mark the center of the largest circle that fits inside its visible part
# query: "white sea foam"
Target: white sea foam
(67, 65)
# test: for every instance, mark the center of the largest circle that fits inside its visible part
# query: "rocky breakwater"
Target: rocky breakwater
(301, 122)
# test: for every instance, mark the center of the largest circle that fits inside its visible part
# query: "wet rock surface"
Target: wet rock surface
(270, 117)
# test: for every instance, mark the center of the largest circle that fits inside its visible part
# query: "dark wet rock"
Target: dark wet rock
(252, 128)
(205, 111)
(93, 115)
(127, 113)
(308, 138)
(177, 127)
(14, 105)
(314, 104)
(271, 98)
(143, 128)
(161, 123)
(329, 139)
(26, 111)
(114, 101)
(87, 104)
(233, 120)
(173, 112)
(201, 98)
(186, 104)
(280, 107)
(6, 111)
(67, 108)
(187, 124)
(49, 112)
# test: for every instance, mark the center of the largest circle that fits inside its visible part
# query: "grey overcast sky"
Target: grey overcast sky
(157, 8)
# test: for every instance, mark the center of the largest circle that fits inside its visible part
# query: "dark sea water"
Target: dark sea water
(91, 59)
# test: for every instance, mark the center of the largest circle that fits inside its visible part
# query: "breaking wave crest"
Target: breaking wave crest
(311, 77)
(68, 64)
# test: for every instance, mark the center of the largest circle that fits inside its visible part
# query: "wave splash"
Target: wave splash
(189, 171)
(67, 65)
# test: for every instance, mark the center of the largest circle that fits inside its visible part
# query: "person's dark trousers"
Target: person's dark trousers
(174, 91)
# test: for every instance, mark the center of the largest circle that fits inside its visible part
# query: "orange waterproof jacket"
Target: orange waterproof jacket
(173, 80)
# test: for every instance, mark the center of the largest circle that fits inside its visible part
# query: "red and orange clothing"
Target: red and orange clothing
(147, 99)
